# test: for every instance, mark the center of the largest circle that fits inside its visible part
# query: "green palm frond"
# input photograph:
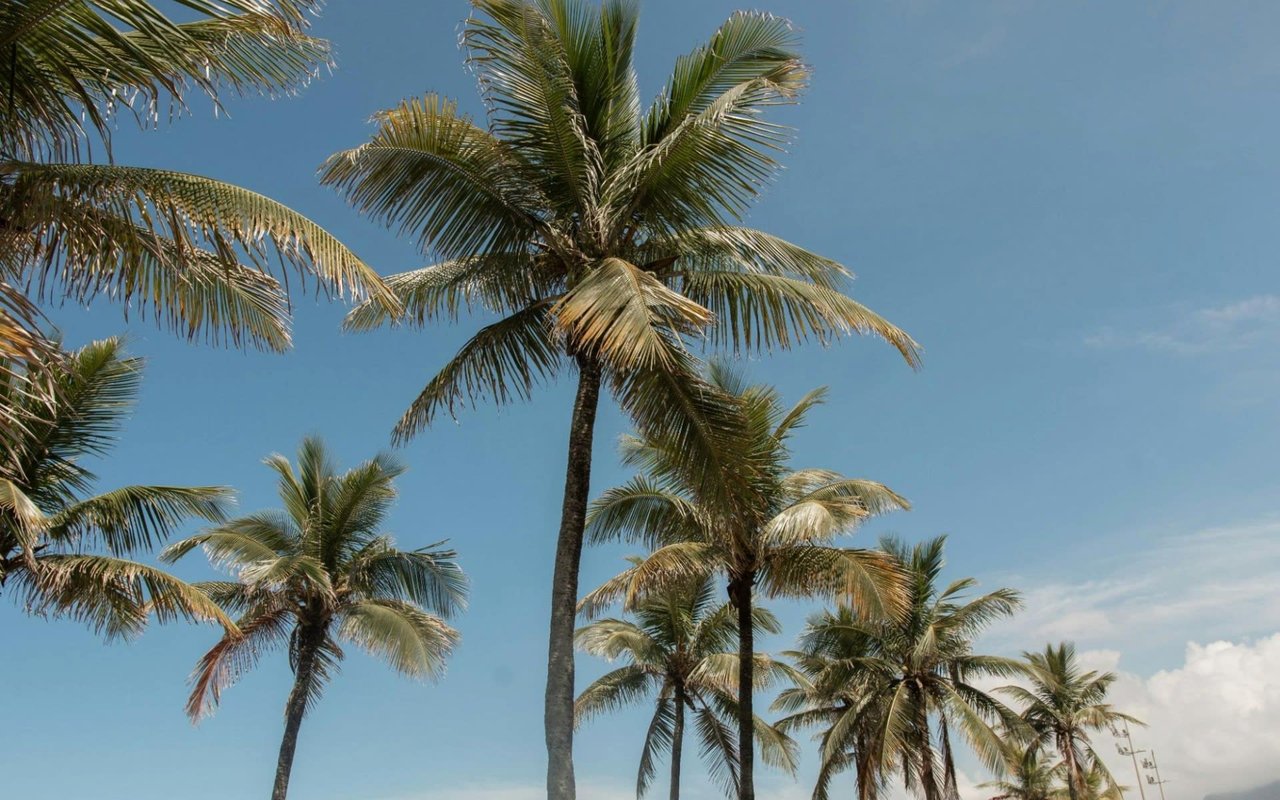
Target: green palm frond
(622, 315)
(756, 311)
(50, 522)
(240, 542)
(429, 576)
(193, 212)
(613, 690)
(503, 361)
(113, 596)
(437, 175)
(412, 641)
(719, 749)
(658, 737)
(77, 64)
(135, 518)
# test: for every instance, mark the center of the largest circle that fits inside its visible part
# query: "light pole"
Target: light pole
(1152, 764)
(1129, 751)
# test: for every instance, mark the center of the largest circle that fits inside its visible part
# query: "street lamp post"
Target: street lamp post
(1152, 764)
(1129, 751)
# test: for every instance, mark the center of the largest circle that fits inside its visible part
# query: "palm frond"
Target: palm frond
(412, 641)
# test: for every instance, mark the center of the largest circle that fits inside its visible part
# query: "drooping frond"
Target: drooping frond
(193, 212)
(114, 596)
(412, 641)
(428, 576)
(503, 361)
(614, 690)
(73, 65)
(438, 176)
(627, 318)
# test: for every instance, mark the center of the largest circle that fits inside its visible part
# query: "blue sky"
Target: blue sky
(1072, 206)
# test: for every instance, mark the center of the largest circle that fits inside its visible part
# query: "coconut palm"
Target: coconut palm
(832, 688)
(772, 535)
(318, 574)
(600, 235)
(1062, 705)
(194, 253)
(912, 678)
(679, 649)
(1028, 775)
(65, 550)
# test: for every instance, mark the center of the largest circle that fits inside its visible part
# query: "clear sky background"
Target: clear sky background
(1072, 206)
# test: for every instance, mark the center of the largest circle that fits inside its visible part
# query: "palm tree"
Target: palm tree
(1062, 705)
(320, 573)
(193, 252)
(1028, 776)
(680, 649)
(773, 535)
(601, 236)
(907, 673)
(50, 523)
(832, 688)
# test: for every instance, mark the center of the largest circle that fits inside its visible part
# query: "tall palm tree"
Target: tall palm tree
(1062, 705)
(193, 252)
(680, 650)
(51, 524)
(320, 573)
(915, 671)
(774, 535)
(601, 236)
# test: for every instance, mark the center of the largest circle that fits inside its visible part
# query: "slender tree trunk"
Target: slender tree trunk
(866, 770)
(740, 595)
(1073, 771)
(295, 707)
(926, 755)
(677, 741)
(558, 716)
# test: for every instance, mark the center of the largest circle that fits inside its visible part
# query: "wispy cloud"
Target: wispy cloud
(1214, 583)
(1243, 325)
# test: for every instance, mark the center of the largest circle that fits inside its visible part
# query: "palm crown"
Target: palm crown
(195, 253)
(49, 520)
(1063, 703)
(320, 573)
(895, 677)
(591, 227)
(679, 647)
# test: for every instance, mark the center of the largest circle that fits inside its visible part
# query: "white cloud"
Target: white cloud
(1243, 325)
(1211, 721)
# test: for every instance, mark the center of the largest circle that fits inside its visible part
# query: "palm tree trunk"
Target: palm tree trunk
(927, 778)
(558, 714)
(865, 767)
(740, 596)
(1073, 770)
(295, 707)
(677, 741)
